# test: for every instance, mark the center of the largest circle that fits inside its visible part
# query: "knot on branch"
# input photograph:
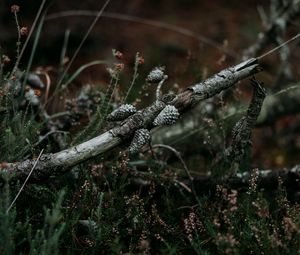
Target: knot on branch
(128, 127)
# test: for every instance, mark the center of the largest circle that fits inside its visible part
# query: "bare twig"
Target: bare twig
(178, 155)
(57, 135)
(15, 68)
(41, 139)
(26, 180)
(134, 77)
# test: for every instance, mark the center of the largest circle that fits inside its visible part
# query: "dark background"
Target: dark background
(236, 22)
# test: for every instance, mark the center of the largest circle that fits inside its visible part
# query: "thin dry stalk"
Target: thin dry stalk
(26, 180)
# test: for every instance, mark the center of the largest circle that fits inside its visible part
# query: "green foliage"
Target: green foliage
(17, 140)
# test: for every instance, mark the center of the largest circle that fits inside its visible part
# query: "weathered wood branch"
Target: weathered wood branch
(57, 163)
(268, 180)
(275, 106)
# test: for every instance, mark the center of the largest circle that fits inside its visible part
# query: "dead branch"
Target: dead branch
(57, 134)
(268, 180)
(275, 106)
(57, 163)
(241, 133)
(279, 20)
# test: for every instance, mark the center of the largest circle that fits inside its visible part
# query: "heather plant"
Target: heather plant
(145, 198)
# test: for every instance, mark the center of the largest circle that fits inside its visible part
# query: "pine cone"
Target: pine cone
(140, 138)
(156, 75)
(167, 116)
(123, 112)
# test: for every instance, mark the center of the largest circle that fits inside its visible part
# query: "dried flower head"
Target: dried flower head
(254, 179)
(24, 31)
(118, 55)
(139, 59)
(232, 197)
(123, 112)
(290, 227)
(168, 116)
(15, 8)
(38, 92)
(140, 138)
(5, 59)
(156, 75)
(119, 66)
